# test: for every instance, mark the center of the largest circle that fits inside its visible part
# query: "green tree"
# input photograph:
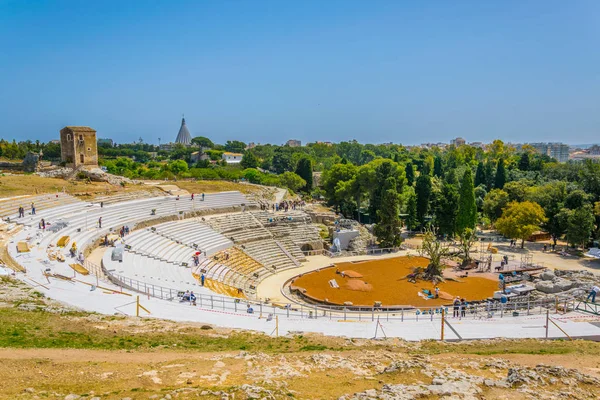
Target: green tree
(520, 220)
(333, 177)
(202, 141)
(387, 230)
(235, 146)
(435, 250)
(252, 175)
(249, 160)
(494, 202)
(524, 162)
(304, 169)
(447, 210)
(480, 174)
(467, 208)
(580, 225)
(410, 174)
(423, 192)
(500, 179)
(437, 167)
(489, 175)
(466, 240)
(292, 181)
(283, 160)
(411, 211)
(178, 167)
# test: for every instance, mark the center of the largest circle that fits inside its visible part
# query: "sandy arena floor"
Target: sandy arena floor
(383, 280)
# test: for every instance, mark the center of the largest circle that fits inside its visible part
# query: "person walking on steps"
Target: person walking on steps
(202, 279)
(202, 196)
(32, 208)
(593, 293)
(100, 222)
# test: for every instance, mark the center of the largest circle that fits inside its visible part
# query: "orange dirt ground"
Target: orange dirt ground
(388, 286)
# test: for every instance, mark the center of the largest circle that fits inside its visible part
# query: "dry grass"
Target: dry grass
(28, 184)
(216, 186)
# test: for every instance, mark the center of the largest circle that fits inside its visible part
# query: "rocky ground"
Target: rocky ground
(78, 355)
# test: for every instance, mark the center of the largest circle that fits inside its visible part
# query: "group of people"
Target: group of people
(190, 297)
(192, 196)
(459, 307)
(22, 210)
(284, 205)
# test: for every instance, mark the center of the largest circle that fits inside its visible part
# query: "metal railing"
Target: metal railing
(483, 311)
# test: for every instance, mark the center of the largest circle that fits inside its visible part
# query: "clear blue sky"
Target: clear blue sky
(268, 71)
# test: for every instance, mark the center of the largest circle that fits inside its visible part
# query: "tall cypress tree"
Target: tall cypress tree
(410, 174)
(500, 175)
(480, 175)
(524, 162)
(387, 230)
(467, 208)
(489, 175)
(304, 170)
(437, 167)
(411, 210)
(423, 191)
(447, 210)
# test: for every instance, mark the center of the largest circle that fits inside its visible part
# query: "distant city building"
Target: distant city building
(232, 158)
(78, 146)
(293, 143)
(479, 145)
(55, 141)
(558, 151)
(458, 141)
(198, 155)
(325, 143)
(107, 142)
(251, 145)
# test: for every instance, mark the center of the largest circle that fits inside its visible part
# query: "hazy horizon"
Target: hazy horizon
(268, 71)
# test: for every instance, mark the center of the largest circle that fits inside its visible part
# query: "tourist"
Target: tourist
(202, 277)
(202, 196)
(192, 197)
(106, 240)
(32, 209)
(593, 293)
(463, 307)
(545, 247)
(437, 292)
(101, 204)
(456, 307)
(249, 309)
(100, 222)
(192, 298)
(177, 197)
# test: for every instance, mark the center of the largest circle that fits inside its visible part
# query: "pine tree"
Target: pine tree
(423, 191)
(467, 208)
(480, 174)
(304, 170)
(410, 174)
(388, 229)
(500, 175)
(396, 158)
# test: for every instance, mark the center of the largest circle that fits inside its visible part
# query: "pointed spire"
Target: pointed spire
(183, 136)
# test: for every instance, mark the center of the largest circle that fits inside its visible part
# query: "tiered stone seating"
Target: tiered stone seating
(48, 206)
(232, 222)
(119, 197)
(82, 226)
(242, 263)
(226, 290)
(194, 234)
(270, 255)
